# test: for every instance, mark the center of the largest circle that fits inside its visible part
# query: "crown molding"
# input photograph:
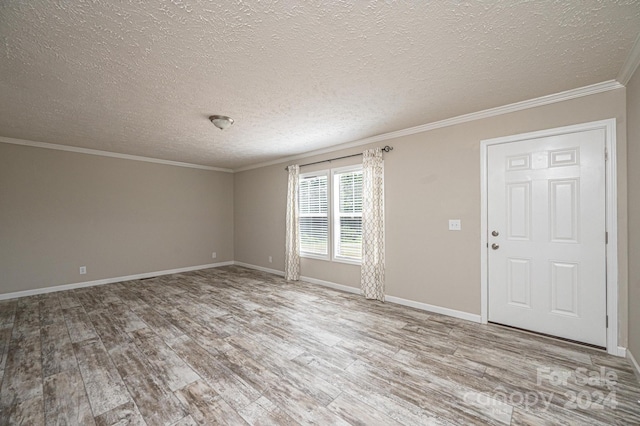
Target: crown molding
(630, 64)
(592, 89)
(108, 154)
(629, 67)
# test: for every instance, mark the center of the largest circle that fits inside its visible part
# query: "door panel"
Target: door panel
(564, 198)
(519, 211)
(519, 285)
(546, 202)
(564, 288)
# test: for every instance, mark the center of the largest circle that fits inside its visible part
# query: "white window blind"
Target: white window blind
(348, 215)
(313, 209)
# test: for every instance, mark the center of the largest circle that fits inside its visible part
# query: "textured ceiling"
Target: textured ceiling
(141, 77)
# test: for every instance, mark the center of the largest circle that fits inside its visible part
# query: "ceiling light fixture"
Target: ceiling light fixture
(221, 121)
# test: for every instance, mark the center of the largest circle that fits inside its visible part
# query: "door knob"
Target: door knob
(495, 246)
(495, 233)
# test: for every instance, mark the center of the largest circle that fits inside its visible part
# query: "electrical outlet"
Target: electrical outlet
(214, 255)
(83, 270)
(270, 259)
(455, 225)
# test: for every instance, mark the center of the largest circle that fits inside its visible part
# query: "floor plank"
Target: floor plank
(79, 325)
(27, 412)
(357, 412)
(22, 379)
(103, 383)
(264, 412)
(125, 414)
(7, 311)
(5, 338)
(166, 364)
(65, 400)
(232, 388)
(157, 404)
(57, 350)
(206, 406)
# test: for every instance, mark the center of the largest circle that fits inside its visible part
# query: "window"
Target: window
(330, 211)
(313, 202)
(347, 214)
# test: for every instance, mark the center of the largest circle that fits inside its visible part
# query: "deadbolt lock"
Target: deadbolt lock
(495, 233)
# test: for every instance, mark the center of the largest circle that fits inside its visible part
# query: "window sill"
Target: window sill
(315, 257)
(347, 261)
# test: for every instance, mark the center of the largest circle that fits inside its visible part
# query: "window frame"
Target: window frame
(335, 215)
(311, 255)
(333, 201)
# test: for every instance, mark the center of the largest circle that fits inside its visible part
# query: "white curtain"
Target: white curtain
(372, 270)
(292, 243)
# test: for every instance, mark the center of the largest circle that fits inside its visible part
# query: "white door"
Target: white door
(546, 226)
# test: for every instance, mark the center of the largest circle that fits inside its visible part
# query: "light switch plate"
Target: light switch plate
(455, 225)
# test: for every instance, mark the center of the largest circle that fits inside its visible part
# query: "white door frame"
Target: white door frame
(609, 127)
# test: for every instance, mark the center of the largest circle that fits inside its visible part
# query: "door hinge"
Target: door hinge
(606, 238)
(607, 321)
(606, 154)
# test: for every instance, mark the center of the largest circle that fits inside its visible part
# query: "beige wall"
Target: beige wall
(61, 210)
(258, 219)
(430, 177)
(633, 161)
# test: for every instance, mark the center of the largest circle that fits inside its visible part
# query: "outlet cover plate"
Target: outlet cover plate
(455, 225)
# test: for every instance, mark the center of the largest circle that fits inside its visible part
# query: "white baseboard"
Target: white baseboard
(329, 284)
(62, 287)
(418, 305)
(260, 268)
(621, 351)
(634, 364)
(334, 286)
(397, 300)
(435, 309)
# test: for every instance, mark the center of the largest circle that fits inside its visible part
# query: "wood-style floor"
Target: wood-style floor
(236, 346)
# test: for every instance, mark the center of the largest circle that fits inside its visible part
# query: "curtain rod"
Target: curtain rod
(387, 148)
